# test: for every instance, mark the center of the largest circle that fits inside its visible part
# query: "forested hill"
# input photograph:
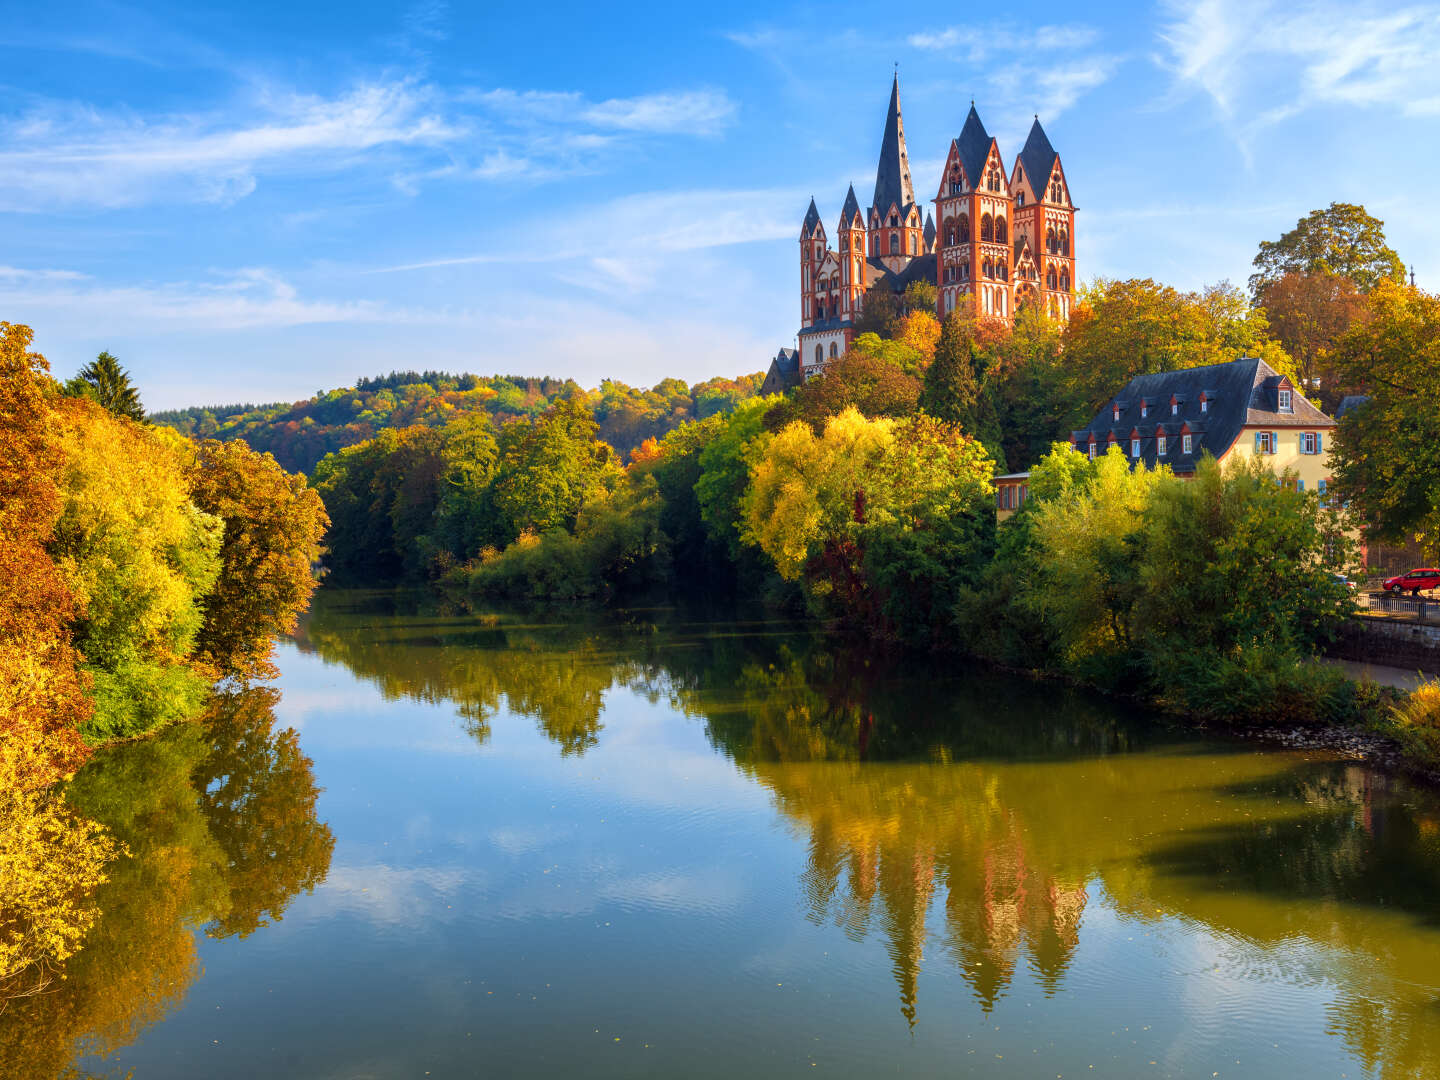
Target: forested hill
(300, 434)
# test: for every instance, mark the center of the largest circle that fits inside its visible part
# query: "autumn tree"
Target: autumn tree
(1343, 239)
(140, 557)
(725, 473)
(106, 382)
(864, 378)
(43, 698)
(919, 330)
(1308, 314)
(879, 311)
(273, 523)
(1120, 329)
(818, 504)
(1386, 454)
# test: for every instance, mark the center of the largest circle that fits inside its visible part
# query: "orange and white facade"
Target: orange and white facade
(1005, 238)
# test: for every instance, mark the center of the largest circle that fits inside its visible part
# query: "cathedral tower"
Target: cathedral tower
(851, 237)
(896, 229)
(1045, 218)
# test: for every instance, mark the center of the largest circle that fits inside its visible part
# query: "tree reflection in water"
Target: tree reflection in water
(219, 816)
(977, 818)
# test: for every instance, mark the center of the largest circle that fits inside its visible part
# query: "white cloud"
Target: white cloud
(974, 43)
(1056, 87)
(64, 155)
(244, 299)
(1272, 60)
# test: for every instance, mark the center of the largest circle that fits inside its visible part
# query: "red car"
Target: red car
(1414, 581)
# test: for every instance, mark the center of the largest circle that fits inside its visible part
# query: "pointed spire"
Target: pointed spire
(850, 209)
(974, 146)
(1038, 157)
(929, 230)
(892, 177)
(812, 220)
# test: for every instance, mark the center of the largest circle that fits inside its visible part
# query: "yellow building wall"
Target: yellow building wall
(1312, 468)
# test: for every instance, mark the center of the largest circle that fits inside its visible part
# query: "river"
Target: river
(672, 844)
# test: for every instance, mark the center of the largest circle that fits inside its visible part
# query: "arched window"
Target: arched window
(820, 311)
(832, 350)
(988, 268)
(912, 245)
(1064, 242)
(1000, 232)
(1065, 281)
(987, 228)
(894, 243)
(1050, 243)
(894, 221)
(1050, 278)
(954, 181)
(819, 355)
(949, 234)
(1002, 271)
(964, 228)
(965, 271)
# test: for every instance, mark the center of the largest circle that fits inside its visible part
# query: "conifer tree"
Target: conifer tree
(108, 383)
(951, 387)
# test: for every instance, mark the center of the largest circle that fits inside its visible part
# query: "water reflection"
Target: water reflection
(219, 816)
(977, 823)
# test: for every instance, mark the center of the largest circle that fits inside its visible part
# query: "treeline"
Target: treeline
(137, 568)
(299, 434)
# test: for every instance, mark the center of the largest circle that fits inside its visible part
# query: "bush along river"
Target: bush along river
(673, 844)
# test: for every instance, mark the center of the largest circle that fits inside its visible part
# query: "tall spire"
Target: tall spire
(892, 178)
(851, 209)
(1038, 157)
(974, 146)
(812, 220)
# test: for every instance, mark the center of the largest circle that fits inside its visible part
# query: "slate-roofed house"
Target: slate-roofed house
(1174, 418)
(784, 372)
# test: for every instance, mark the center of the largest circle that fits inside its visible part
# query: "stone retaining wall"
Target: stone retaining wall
(1392, 643)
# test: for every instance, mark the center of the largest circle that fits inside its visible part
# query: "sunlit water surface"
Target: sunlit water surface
(667, 845)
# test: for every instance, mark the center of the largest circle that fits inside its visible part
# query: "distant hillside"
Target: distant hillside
(300, 434)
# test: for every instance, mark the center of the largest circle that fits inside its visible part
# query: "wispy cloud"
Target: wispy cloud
(1271, 60)
(244, 299)
(1053, 89)
(64, 155)
(975, 43)
(689, 112)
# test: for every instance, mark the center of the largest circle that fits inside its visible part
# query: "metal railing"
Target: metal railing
(1422, 608)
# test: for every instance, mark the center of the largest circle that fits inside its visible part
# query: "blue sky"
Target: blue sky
(252, 202)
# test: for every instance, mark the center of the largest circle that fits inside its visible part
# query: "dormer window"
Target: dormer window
(1204, 405)
(1174, 407)
(1160, 445)
(1185, 444)
(1144, 409)
(1285, 403)
(1115, 411)
(1092, 449)
(1135, 448)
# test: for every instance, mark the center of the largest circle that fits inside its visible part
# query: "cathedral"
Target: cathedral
(1003, 239)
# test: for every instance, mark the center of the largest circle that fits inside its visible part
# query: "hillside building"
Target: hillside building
(1005, 237)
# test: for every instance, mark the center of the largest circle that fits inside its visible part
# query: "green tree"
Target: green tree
(878, 311)
(951, 390)
(549, 467)
(725, 473)
(1343, 239)
(1386, 454)
(105, 381)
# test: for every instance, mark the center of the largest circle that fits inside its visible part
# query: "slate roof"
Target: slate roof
(1038, 157)
(919, 268)
(851, 207)
(834, 322)
(1349, 404)
(974, 146)
(929, 230)
(1240, 394)
(892, 176)
(812, 219)
(784, 372)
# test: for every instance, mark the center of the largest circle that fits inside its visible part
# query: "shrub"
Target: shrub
(1417, 720)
